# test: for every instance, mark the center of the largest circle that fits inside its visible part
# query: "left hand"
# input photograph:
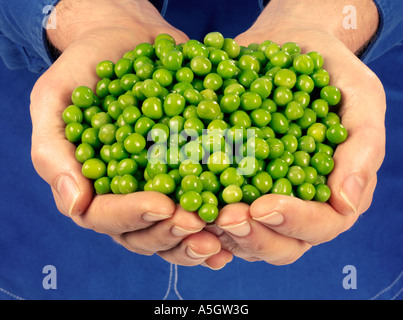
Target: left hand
(280, 229)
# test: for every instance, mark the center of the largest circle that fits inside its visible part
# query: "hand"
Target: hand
(280, 229)
(145, 222)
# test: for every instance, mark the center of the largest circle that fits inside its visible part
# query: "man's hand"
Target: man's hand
(146, 222)
(280, 229)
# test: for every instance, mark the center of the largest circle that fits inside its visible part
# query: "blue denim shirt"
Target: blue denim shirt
(23, 37)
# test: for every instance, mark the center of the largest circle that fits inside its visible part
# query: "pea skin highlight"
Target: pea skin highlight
(208, 123)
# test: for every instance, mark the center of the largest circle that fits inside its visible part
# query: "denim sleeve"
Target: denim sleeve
(390, 31)
(23, 41)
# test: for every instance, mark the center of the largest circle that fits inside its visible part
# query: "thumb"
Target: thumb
(53, 156)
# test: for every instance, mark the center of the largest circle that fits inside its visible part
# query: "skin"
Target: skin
(149, 222)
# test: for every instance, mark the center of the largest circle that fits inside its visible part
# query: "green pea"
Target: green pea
(263, 182)
(184, 74)
(213, 81)
(331, 95)
(296, 175)
(293, 111)
(277, 168)
(282, 96)
(123, 66)
(102, 185)
(191, 201)
(208, 109)
(127, 184)
(304, 64)
(210, 181)
(208, 212)
(231, 48)
(174, 104)
(250, 101)
(306, 191)
(93, 169)
(323, 193)
(72, 114)
(230, 176)
(173, 60)
(336, 133)
(84, 152)
(107, 133)
(227, 69)
(201, 66)
(323, 163)
(232, 194)
(127, 166)
(240, 118)
(152, 108)
(285, 78)
(282, 186)
(218, 162)
(74, 131)
(105, 69)
(134, 143)
(321, 107)
(281, 59)
(249, 193)
(163, 183)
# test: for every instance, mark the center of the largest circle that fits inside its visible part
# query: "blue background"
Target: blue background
(33, 234)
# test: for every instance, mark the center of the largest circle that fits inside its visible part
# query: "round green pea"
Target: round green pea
(93, 169)
(191, 201)
(208, 212)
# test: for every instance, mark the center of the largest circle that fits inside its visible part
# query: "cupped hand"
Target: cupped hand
(144, 222)
(280, 229)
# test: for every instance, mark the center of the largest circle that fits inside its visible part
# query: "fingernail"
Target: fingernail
(240, 230)
(351, 191)
(181, 232)
(273, 219)
(196, 255)
(152, 217)
(204, 264)
(68, 192)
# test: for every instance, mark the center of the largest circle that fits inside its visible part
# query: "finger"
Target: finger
(53, 156)
(256, 240)
(309, 221)
(116, 214)
(165, 234)
(219, 260)
(362, 113)
(358, 159)
(193, 250)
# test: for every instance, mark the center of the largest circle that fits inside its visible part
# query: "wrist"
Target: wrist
(354, 22)
(77, 18)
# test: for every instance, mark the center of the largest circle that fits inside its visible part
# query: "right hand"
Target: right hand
(143, 222)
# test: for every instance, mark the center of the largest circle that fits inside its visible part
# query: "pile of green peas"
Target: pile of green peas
(208, 123)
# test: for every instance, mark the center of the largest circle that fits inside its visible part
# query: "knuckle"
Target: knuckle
(39, 156)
